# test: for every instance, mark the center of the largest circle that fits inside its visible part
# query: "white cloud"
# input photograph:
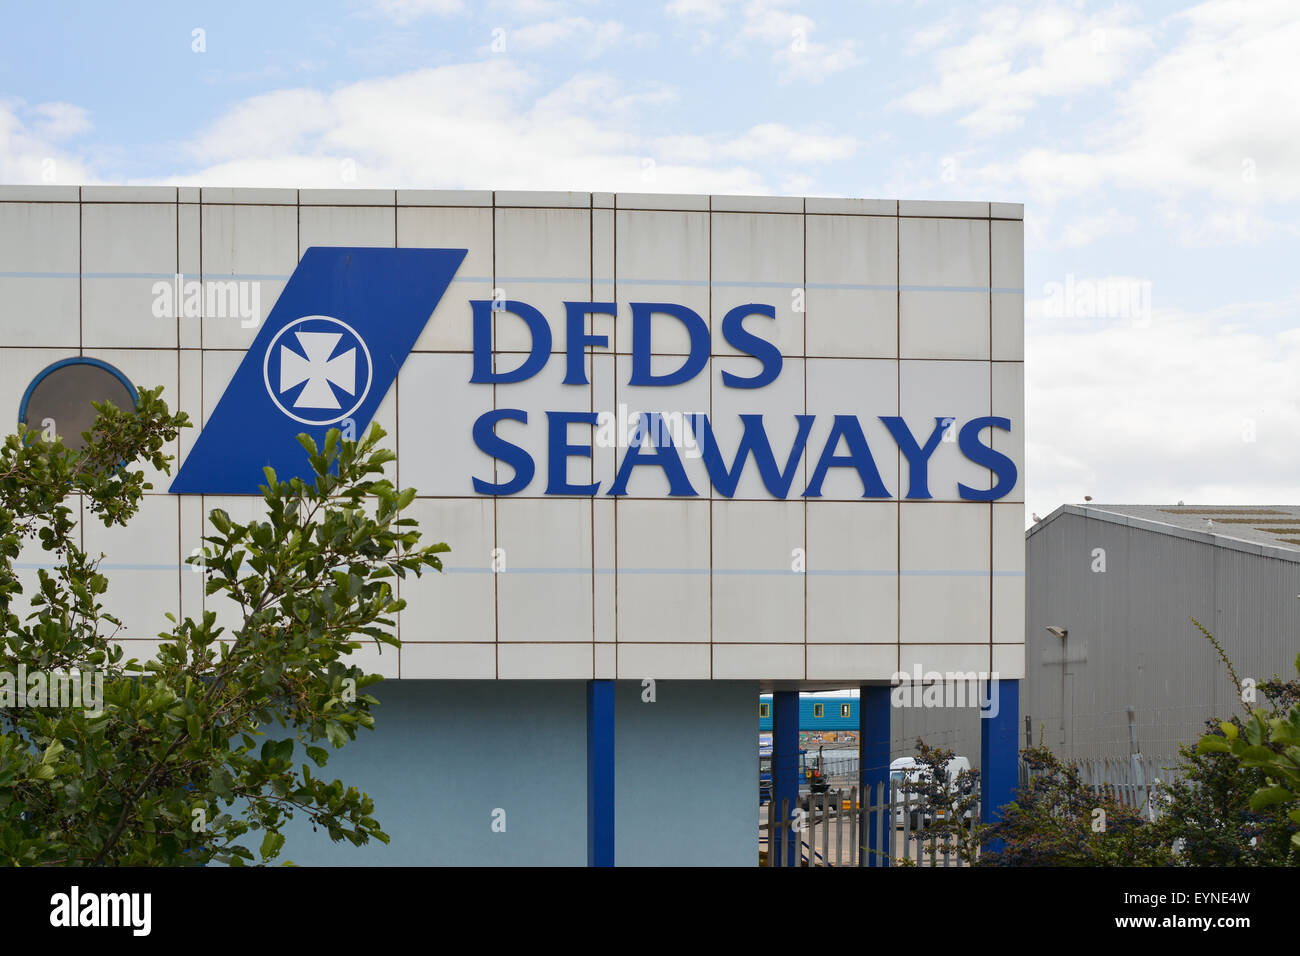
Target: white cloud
(59, 121)
(600, 93)
(1220, 112)
(1018, 57)
(1195, 406)
(577, 35)
(795, 51)
(789, 37)
(300, 115)
(490, 123)
(707, 11)
(1219, 224)
(1087, 229)
(1216, 115)
(934, 34)
(405, 11)
(797, 184)
(1050, 175)
(767, 141)
(33, 143)
(537, 9)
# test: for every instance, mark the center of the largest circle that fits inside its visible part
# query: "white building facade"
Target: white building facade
(828, 489)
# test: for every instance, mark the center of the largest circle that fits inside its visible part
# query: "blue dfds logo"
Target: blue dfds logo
(317, 370)
(325, 358)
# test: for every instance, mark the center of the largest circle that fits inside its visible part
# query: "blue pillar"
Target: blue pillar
(999, 750)
(600, 773)
(784, 845)
(873, 764)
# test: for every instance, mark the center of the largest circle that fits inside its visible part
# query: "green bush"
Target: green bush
(1247, 808)
(1058, 820)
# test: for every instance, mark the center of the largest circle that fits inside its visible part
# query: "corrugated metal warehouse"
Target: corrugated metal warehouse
(1123, 583)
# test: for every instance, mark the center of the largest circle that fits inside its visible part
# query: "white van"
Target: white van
(904, 771)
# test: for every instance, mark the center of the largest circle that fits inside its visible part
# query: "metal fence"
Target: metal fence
(897, 828)
(837, 829)
(1133, 780)
(838, 768)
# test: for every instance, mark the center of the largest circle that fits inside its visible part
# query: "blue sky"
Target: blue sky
(1156, 147)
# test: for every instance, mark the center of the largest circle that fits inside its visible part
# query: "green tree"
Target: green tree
(195, 754)
(944, 802)
(1263, 751)
(1058, 820)
(1208, 808)
(1235, 800)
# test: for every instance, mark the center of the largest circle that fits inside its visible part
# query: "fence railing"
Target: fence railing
(893, 827)
(838, 768)
(1131, 780)
(835, 828)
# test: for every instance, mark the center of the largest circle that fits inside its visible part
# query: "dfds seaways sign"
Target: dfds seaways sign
(723, 438)
(338, 335)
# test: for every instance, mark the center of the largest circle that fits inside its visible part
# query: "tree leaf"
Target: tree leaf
(271, 844)
(1270, 796)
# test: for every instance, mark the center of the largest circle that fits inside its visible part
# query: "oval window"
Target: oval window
(58, 402)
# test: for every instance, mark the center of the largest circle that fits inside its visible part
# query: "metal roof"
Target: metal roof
(1257, 529)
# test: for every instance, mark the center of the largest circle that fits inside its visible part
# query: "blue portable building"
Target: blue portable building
(816, 712)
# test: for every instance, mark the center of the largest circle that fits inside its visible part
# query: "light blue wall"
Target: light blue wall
(445, 754)
(686, 774)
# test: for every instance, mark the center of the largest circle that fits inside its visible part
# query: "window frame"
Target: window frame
(76, 360)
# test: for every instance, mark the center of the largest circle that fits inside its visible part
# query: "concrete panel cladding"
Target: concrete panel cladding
(687, 437)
